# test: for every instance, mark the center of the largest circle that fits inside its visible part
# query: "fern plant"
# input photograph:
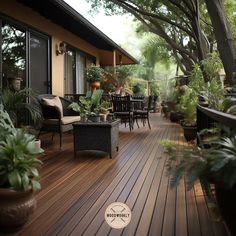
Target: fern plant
(16, 103)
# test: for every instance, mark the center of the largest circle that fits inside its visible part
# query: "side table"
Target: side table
(103, 136)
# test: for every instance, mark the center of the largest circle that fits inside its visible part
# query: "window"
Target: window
(24, 58)
(13, 55)
(74, 80)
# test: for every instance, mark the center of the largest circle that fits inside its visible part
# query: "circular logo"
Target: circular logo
(118, 215)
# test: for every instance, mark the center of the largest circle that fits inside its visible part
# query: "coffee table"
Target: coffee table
(102, 136)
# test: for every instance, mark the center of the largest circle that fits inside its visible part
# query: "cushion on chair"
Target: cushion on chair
(54, 102)
(69, 119)
(64, 120)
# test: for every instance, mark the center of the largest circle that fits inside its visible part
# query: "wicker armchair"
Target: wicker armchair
(57, 118)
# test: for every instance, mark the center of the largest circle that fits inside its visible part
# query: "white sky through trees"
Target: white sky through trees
(117, 28)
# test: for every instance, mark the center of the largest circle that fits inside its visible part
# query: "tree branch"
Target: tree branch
(141, 11)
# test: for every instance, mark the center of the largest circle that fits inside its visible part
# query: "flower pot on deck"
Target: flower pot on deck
(190, 132)
(16, 207)
(95, 85)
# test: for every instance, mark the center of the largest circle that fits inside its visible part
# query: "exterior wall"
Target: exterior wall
(31, 18)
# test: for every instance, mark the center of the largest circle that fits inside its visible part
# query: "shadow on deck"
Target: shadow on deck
(76, 191)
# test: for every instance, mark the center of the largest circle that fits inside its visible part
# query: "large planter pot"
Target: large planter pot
(190, 132)
(227, 205)
(16, 207)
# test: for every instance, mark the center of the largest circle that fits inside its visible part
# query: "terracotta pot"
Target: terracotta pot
(16, 207)
(103, 117)
(95, 85)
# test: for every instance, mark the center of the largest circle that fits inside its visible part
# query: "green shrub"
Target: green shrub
(18, 162)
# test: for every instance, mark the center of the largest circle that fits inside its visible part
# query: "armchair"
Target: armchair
(57, 118)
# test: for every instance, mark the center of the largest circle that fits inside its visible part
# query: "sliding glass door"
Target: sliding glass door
(38, 68)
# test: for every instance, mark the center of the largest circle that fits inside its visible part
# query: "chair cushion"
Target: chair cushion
(70, 119)
(54, 102)
(64, 120)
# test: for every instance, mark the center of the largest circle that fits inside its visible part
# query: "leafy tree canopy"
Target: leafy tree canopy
(184, 25)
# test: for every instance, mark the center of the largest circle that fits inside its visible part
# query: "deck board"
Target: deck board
(76, 191)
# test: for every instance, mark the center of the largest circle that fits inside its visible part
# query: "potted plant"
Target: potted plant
(89, 106)
(105, 109)
(188, 104)
(19, 176)
(16, 105)
(94, 75)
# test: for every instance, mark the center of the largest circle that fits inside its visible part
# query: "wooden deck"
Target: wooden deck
(76, 192)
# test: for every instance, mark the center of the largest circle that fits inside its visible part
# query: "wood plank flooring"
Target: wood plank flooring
(76, 191)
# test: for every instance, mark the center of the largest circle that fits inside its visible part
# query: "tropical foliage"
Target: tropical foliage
(229, 105)
(94, 73)
(18, 103)
(118, 80)
(88, 105)
(184, 26)
(18, 162)
(212, 91)
(215, 164)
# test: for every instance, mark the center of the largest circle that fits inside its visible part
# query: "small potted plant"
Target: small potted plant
(94, 75)
(89, 106)
(188, 104)
(19, 176)
(104, 109)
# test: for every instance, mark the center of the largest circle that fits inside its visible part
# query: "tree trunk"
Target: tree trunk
(224, 38)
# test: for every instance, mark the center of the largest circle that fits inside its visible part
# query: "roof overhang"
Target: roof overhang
(64, 15)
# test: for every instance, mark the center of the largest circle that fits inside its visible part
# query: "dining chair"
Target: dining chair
(143, 115)
(122, 109)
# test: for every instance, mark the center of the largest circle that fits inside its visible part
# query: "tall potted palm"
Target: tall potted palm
(19, 176)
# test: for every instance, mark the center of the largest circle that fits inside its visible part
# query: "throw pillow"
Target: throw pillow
(54, 102)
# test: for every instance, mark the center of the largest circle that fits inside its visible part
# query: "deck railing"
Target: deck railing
(207, 118)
